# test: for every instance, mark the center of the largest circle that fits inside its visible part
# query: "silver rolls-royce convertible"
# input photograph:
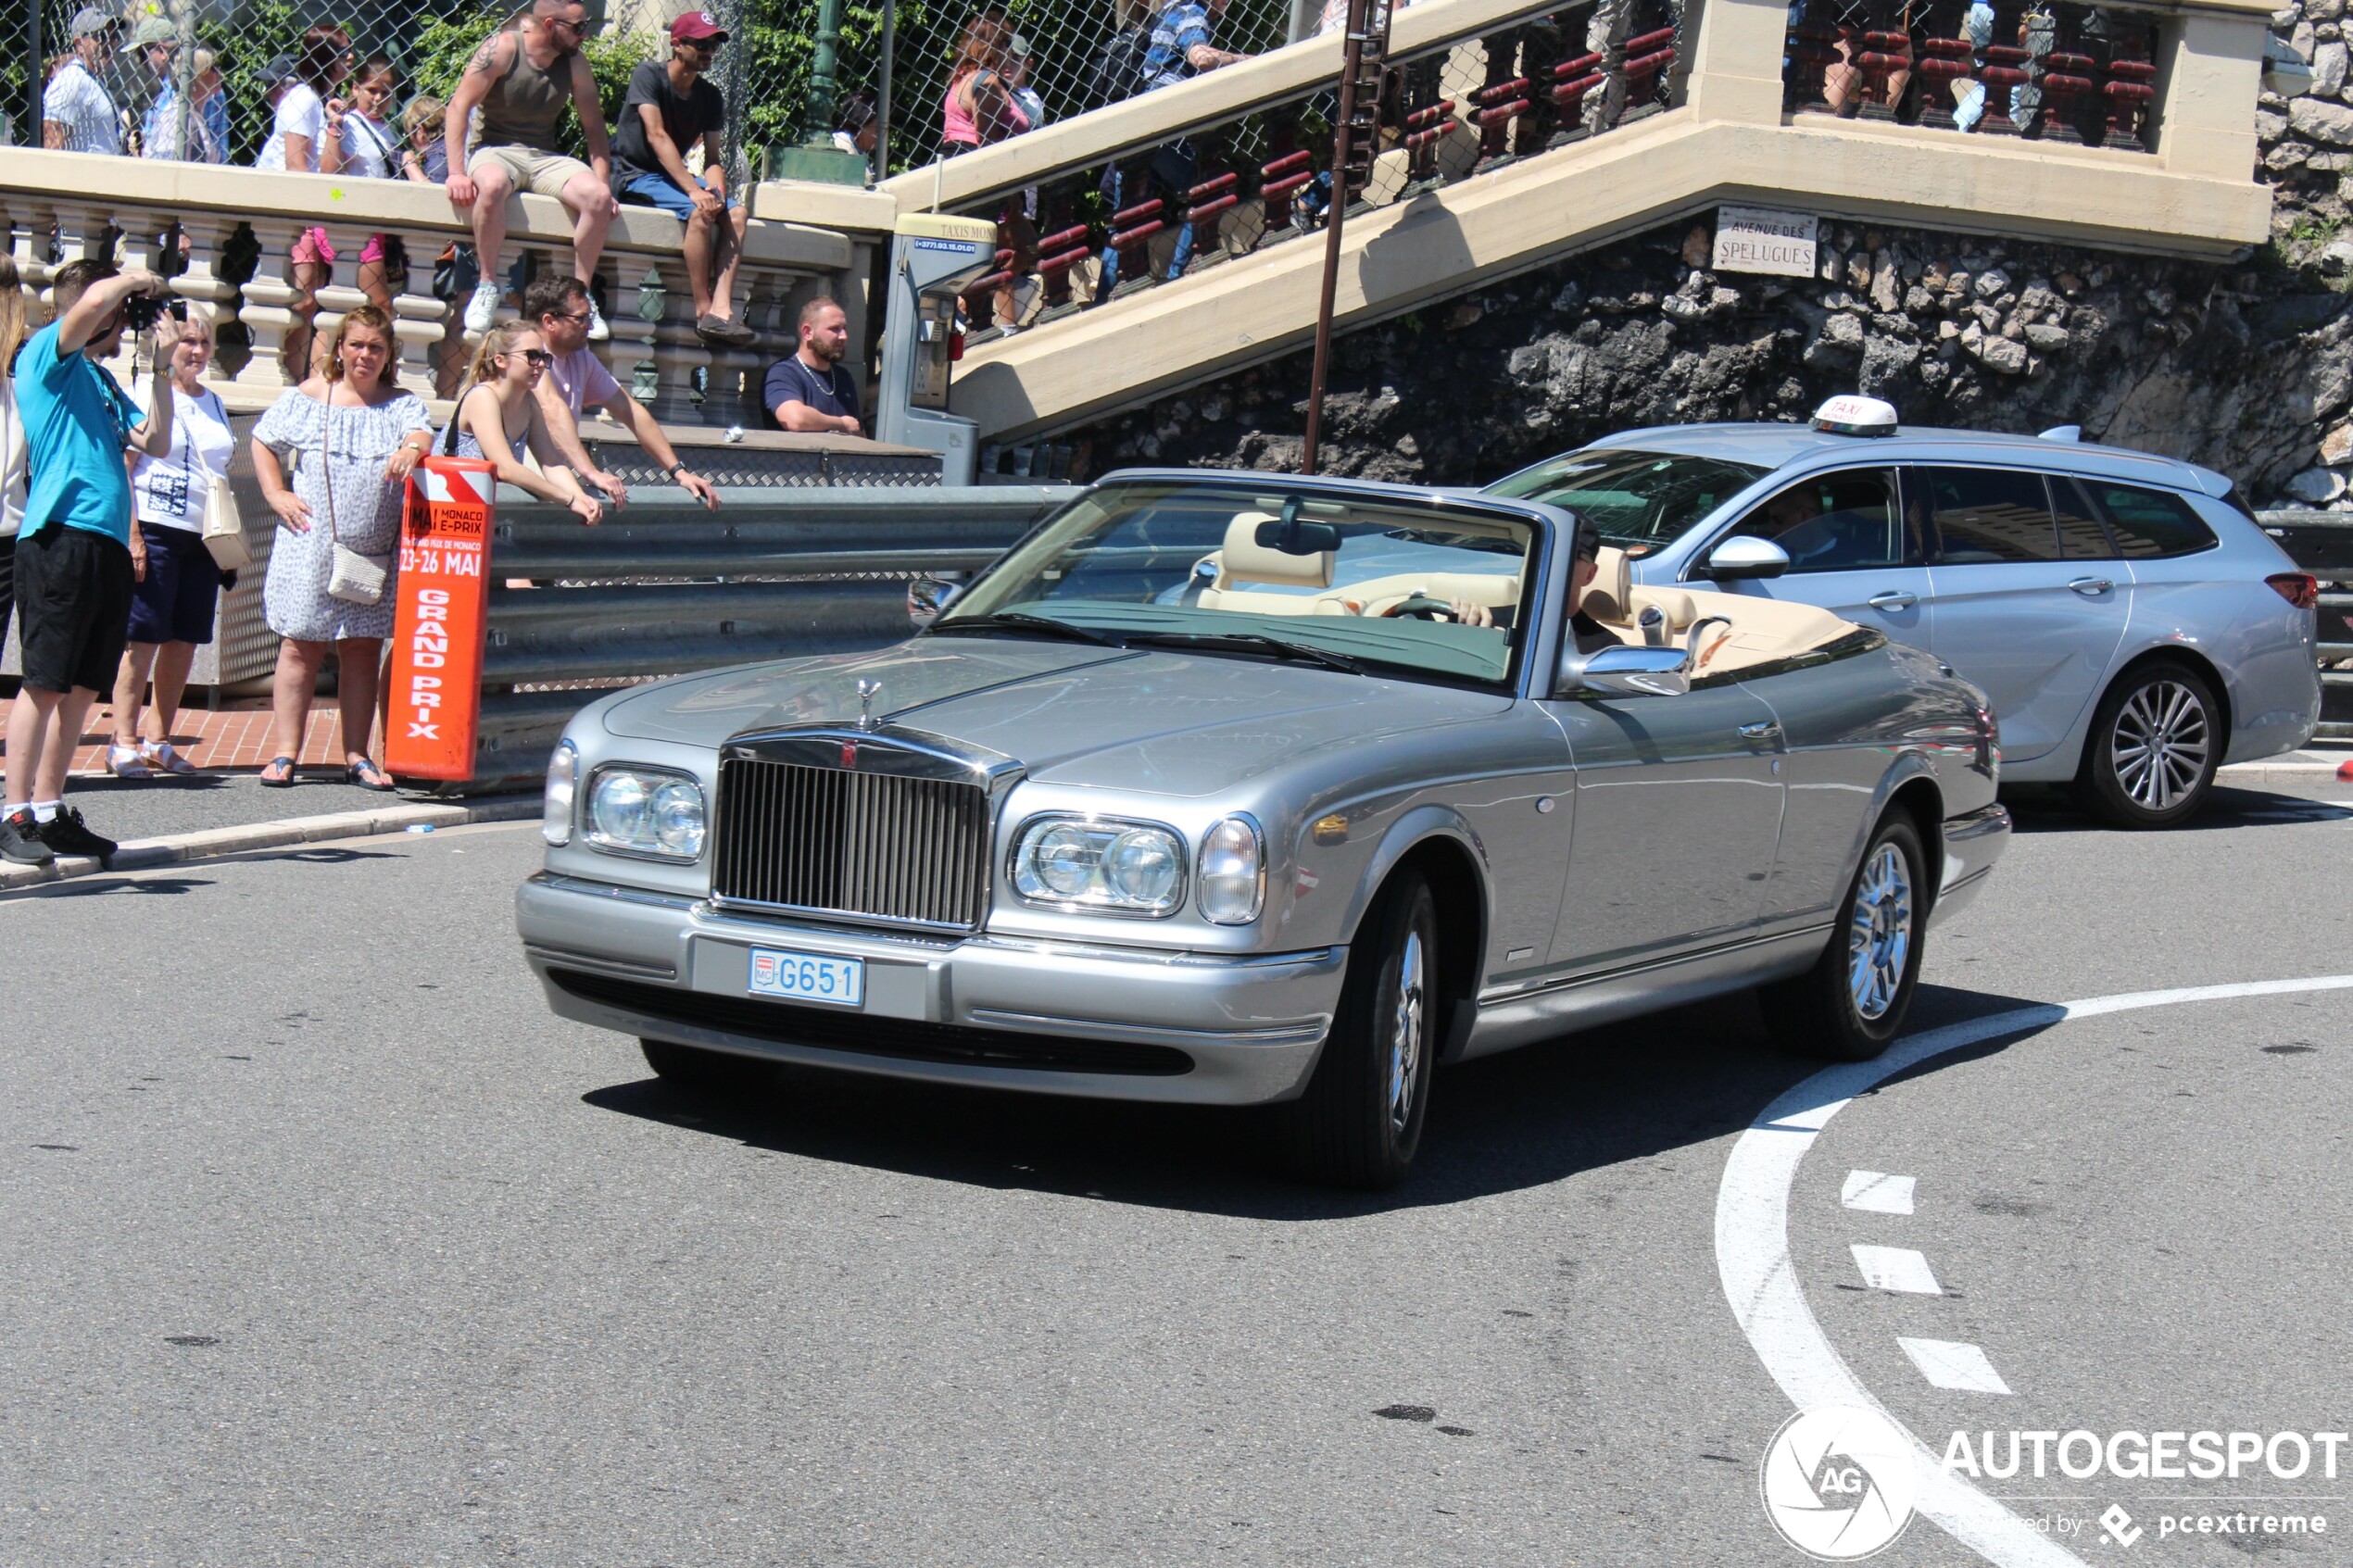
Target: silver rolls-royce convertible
(1238, 788)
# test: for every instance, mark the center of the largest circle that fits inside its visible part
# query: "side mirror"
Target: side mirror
(1743, 556)
(1627, 671)
(926, 597)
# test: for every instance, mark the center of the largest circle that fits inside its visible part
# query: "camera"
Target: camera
(141, 311)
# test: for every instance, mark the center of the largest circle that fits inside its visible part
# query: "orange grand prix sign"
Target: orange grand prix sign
(432, 692)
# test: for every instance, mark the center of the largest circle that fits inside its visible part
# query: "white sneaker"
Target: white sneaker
(598, 331)
(482, 309)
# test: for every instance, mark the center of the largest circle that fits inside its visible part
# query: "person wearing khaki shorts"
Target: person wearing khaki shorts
(515, 90)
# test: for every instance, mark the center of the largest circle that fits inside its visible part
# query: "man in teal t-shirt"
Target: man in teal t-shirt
(73, 553)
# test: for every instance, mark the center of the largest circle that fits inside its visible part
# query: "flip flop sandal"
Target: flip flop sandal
(124, 762)
(367, 775)
(285, 781)
(160, 755)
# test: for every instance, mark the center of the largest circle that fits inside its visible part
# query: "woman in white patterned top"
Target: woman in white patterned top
(351, 434)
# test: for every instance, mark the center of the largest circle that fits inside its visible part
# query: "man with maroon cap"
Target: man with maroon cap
(670, 108)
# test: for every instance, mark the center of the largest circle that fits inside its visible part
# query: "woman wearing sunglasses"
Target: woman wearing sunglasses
(498, 420)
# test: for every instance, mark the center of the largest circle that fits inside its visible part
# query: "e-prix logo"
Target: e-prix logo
(1839, 1482)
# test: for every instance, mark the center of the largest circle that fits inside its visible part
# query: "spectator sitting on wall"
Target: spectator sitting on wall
(77, 115)
(1182, 47)
(208, 114)
(670, 108)
(306, 137)
(576, 378)
(73, 571)
(808, 390)
(371, 151)
(426, 157)
(981, 108)
(521, 80)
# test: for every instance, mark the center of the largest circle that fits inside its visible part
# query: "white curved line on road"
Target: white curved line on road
(1760, 1280)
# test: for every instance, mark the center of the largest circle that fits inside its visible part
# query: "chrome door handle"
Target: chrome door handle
(2091, 587)
(1892, 599)
(1764, 728)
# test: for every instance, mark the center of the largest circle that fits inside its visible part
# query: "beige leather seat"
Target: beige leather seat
(1242, 560)
(1749, 631)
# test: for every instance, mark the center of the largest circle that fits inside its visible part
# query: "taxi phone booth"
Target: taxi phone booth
(433, 688)
(933, 258)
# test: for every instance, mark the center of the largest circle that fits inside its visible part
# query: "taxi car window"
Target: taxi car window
(1638, 500)
(2150, 524)
(2082, 536)
(1981, 515)
(1437, 591)
(1837, 521)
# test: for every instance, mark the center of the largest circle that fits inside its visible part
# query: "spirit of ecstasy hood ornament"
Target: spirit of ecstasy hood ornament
(867, 692)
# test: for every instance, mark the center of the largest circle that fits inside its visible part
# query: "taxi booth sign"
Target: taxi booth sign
(433, 689)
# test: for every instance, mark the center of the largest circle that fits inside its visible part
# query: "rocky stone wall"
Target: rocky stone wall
(2247, 368)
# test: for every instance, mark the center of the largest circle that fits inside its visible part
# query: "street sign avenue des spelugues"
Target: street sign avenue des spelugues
(1758, 239)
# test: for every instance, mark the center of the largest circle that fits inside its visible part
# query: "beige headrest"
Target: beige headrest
(1244, 559)
(1610, 596)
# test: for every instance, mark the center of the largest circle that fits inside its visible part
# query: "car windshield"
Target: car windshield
(1342, 580)
(1638, 500)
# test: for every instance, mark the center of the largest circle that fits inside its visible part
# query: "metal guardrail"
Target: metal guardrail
(2321, 543)
(666, 588)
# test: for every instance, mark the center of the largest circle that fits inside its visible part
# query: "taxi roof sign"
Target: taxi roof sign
(1851, 415)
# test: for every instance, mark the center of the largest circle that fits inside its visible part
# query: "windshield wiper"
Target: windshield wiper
(1301, 652)
(1014, 620)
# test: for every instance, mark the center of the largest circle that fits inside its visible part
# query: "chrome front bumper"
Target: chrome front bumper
(675, 969)
(1972, 845)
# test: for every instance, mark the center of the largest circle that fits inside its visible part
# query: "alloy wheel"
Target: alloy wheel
(2161, 744)
(1879, 940)
(1406, 1033)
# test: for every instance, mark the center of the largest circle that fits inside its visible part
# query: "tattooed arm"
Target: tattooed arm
(492, 59)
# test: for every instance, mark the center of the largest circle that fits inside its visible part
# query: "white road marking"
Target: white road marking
(1895, 1268)
(1760, 1280)
(1877, 1192)
(1948, 1363)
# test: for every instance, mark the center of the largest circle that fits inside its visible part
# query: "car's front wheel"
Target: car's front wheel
(2155, 740)
(1360, 1119)
(704, 1072)
(1853, 1001)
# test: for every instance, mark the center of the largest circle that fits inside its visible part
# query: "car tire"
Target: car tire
(703, 1072)
(1852, 1003)
(1359, 1122)
(2150, 755)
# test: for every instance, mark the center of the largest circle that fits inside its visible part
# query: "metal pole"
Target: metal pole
(183, 78)
(33, 74)
(882, 104)
(823, 64)
(731, 18)
(1351, 63)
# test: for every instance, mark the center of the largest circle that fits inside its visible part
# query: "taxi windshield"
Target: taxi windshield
(1371, 585)
(1640, 501)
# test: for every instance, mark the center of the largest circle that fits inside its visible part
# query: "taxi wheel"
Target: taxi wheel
(1360, 1119)
(1851, 1004)
(704, 1072)
(2155, 742)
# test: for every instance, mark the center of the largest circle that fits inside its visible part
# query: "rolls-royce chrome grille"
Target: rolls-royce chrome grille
(876, 846)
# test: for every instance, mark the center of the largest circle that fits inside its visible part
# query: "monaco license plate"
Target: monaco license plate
(807, 977)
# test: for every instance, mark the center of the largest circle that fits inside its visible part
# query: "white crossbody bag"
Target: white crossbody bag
(224, 526)
(357, 579)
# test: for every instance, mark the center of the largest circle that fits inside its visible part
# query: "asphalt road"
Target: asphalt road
(129, 809)
(325, 1243)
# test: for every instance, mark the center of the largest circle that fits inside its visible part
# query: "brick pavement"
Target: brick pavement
(233, 738)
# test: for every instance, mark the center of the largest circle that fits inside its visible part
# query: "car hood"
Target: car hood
(1170, 723)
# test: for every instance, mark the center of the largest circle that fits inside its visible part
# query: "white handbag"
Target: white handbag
(357, 579)
(224, 526)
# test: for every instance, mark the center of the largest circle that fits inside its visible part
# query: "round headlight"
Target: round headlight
(1141, 866)
(676, 817)
(618, 807)
(1233, 881)
(1065, 860)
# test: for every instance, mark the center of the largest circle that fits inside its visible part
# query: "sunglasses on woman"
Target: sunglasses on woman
(538, 358)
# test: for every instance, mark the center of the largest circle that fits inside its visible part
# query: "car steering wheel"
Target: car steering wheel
(1419, 607)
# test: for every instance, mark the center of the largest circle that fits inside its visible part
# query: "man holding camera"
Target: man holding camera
(73, 553)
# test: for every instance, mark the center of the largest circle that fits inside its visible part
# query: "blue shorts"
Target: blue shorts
(657, 190)
(174, 602)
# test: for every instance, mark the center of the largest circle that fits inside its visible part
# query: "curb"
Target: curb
(210, 844)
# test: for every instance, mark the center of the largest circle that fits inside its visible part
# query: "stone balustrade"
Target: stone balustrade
(185, 219)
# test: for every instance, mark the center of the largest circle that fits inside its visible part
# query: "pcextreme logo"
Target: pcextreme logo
(1839, 1482)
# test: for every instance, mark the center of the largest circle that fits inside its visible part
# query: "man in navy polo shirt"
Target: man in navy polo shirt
(73, 553)
(808, 390)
